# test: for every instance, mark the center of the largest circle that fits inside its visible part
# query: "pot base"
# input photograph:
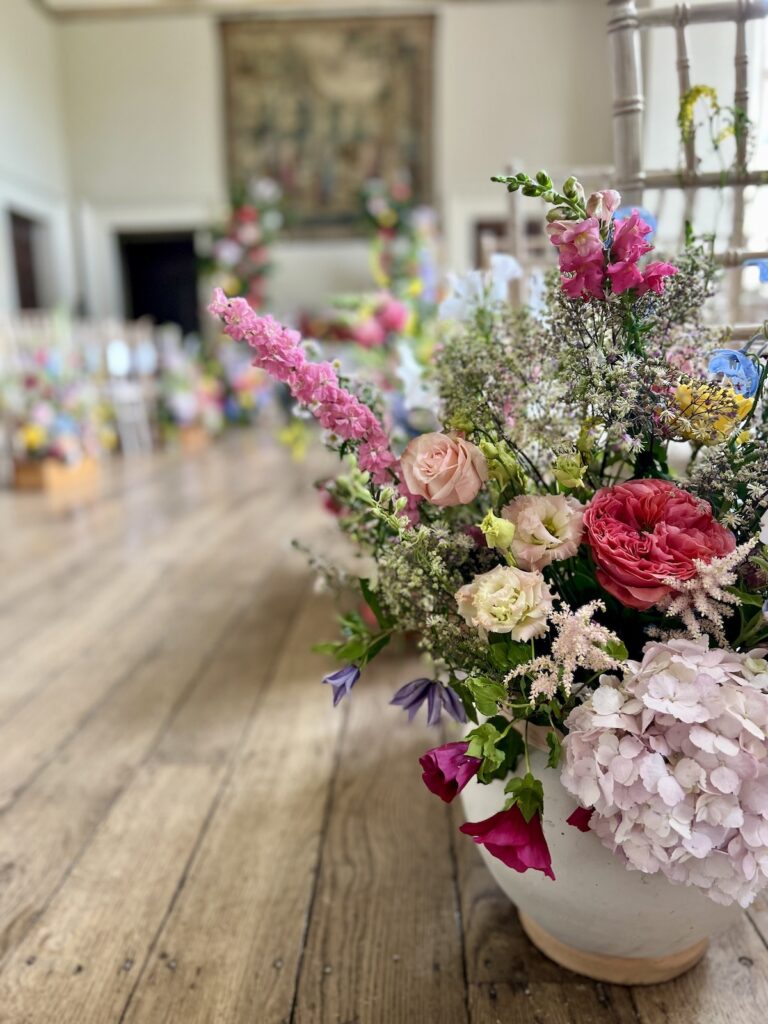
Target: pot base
(617, 970)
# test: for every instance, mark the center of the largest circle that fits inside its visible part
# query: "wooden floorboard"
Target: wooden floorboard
(191, 834)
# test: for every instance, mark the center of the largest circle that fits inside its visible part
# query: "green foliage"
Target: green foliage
(527, 793)
(555, 749)
(359, 645)
(486, 694)
(498, 745)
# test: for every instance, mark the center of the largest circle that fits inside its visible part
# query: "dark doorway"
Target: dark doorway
(160, 277)
(24, 234)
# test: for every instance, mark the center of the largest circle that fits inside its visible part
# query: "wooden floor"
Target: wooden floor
(191, 834)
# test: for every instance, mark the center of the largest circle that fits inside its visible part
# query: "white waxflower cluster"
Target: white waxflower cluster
(674, 760)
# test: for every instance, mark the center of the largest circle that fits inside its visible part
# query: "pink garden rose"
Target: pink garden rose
(518, 843)
(443, 469)
(645, 531)
(448, 769)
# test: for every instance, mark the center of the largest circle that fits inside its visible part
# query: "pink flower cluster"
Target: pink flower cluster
(279, 352)
(674, 760)
(590, 262)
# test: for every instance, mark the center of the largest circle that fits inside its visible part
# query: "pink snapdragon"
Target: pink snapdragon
(278, 351)
(595, 263)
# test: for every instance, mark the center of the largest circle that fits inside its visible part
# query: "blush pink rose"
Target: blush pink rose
(645, 531)
(443, 469)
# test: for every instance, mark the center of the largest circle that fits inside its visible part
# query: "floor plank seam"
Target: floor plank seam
(228, 775)
(756, 926)
(317, 870)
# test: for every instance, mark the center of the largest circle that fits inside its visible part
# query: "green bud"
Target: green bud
(570, 186)
(499, 533)
(569, 470)
(544, 179)
(530, 189)
(503, 466)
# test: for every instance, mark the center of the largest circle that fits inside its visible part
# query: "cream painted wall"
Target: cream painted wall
(144, 118)
(33, 164)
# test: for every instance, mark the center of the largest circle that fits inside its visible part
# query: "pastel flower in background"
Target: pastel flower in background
(603, 204)
(741, 372)
(506, 600)
(369, 333)
(644, 532)
(438, 697)
(672, 762)
(764, 528)
(479, 288)
(548, 527)
(448, 769)
(444, 469)
(518, 843)
(762, 266)
(342, 681)
(392, 315)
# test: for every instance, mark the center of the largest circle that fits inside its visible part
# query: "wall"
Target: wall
(145, 126)
(33, 168)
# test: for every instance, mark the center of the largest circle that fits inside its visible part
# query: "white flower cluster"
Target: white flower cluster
(674, 760)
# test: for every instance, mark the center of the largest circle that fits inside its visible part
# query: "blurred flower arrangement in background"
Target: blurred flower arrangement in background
(239, 259)
(192, 393)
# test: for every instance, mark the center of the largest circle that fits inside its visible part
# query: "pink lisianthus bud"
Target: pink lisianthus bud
(629, 239)
(624, 275)
(654, 276)
(603, 204)
(448, 769)
(518, 843)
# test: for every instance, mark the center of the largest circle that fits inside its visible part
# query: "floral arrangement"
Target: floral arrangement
(581, 551)
(371, 321)
(55, 414)
(239, 259)
(192, 395)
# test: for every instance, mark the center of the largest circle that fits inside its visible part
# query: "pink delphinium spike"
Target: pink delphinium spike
(279, 352)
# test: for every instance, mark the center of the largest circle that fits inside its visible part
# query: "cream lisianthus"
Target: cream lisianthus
(506, 600)
(548, 527)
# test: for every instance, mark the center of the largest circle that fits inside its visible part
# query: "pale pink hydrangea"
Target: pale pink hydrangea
(674, 760)
(279, 351)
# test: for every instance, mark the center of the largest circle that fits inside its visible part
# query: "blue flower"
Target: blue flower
(342, 681)
(742, 372)
(762, 265)
(438, 697)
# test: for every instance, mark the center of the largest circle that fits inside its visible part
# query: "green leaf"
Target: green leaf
(746, 598)
(506, 653)
(527, 793)
(486, 694)
(555, 749)
(616, 649)
(371, 599)
(329, 647)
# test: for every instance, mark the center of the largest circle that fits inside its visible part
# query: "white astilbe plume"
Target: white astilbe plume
(579, 643)
(704, 602)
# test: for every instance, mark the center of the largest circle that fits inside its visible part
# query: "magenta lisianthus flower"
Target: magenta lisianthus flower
(518, 843)
(629, 239)
(654, 276)
(448, 769)
(624, 275)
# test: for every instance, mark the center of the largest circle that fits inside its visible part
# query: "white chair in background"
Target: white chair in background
(632, 177)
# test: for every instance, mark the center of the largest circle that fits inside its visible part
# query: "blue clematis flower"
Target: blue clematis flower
(762, 266)
(742, 373)
(342, 681)
(438, 697)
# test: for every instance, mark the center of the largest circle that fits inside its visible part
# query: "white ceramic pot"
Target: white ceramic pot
(598, 918)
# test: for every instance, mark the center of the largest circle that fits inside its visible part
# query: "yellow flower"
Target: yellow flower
(708, 412)
(33, 436)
